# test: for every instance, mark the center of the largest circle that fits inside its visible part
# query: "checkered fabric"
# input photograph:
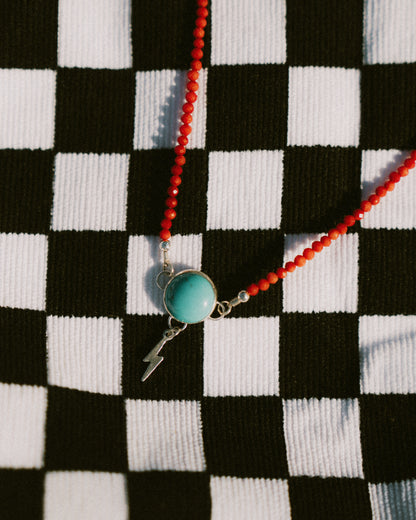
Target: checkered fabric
(302, 403)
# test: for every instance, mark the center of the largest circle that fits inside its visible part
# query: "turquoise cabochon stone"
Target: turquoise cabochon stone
(190, 297)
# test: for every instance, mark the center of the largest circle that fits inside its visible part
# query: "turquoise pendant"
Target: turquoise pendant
(190, 296)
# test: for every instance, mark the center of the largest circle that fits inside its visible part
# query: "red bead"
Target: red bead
(333, 234)
(349, 220)
(374, 199)
(171, 202)
(165, 234)
(394, 177)
(308, 253)
(272, 278)
(201, 22)
(191, 97)
(193, 75)
(253, 289)
(198, 32)
(196, 65)
(185, 129)
(192, 86)
(166, 223)
(188, 108)
(202, 11)
(317, 246)
(183, 140)
(342, 228)
(180, 150)
(365, 205)
(202, 3)
(199, 43)
(186, 118)
(389, 185)
(176, 170)
(358, 214)
(300, 260)
(175, 180)
(403, 171)
(263, 284)
(290, 267)
(381, 191)
(325, 241)
(413, 155)
(180, 160)
(281, 273)
(197, 54)
(409, 163)
(170, 213)
(173, 191)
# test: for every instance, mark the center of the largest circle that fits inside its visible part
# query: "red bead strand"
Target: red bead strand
(185, 129)
(340, 229)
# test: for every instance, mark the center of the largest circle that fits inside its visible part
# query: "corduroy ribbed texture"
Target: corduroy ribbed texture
(301, 405)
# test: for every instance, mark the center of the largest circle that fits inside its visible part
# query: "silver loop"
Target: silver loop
(223, 308)
(176, 328)
(166, 272)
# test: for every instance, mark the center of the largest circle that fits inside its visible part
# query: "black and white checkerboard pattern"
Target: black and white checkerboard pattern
(303, 404)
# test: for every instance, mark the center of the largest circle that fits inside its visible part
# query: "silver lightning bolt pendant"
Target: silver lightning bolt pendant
(153, 357)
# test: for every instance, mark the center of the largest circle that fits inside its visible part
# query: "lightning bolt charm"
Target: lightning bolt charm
(153, 357)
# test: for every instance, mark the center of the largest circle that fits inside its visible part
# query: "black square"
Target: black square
(387, 276)
(324, 32)
(169, 495)
(236, 259)
(329, 499)
(87, 273)
(388, 98)
(162, 34)
(243, 436)
(149, 180)
(319, 356)
(244, 118)
(23, 347)
(94, 110)
(178, 377)
(388, 425)
(21, 494)
(85, 431)
(320, 186)
(28, 34)
(25, 206)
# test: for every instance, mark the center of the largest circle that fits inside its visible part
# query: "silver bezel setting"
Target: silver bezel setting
(201, 274)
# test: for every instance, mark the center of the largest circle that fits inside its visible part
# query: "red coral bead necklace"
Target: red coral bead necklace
(190, 296)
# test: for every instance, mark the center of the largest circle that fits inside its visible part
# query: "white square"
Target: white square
(245, 31)
(394, 500)
(249, 499)
(389, 31)
(387, 354)
(22, 426)
(23, 260)
(329, 282)
(164, 435)
(324, 106)
(397, 210)
(245, 190)
(85, 353)
(160, 95)
(241, 357)
(145, 262)
(85, 495)
(323, 437)
(27, 108)
(94, 34)
(90, 192)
